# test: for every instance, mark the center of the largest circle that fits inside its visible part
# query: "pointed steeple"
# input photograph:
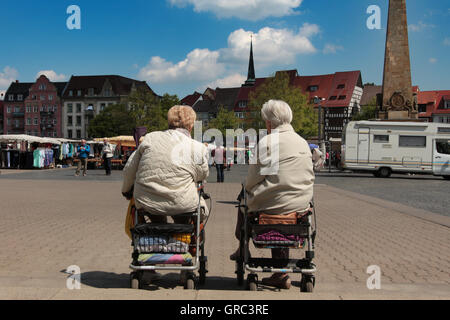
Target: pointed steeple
(251, 78)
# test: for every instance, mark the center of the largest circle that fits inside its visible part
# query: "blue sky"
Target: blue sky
(179, 46)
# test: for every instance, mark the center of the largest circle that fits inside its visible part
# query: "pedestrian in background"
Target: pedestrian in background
(83, 151)
(220, 160)
(107, 155)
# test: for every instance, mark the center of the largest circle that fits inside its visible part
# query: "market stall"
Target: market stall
(28, 152)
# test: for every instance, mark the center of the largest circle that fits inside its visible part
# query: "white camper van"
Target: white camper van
(384, 147)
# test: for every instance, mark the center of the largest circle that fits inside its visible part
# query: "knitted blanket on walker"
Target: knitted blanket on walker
(165, 258)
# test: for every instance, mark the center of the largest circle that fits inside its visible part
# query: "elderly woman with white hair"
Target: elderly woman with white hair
(164, 170)
(281, 183)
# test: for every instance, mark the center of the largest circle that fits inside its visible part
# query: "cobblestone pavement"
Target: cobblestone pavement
(48, 225)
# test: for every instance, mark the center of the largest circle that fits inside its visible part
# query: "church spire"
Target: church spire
(251, 67)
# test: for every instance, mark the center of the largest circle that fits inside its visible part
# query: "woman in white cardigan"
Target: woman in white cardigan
(282, 181)
(165, 169)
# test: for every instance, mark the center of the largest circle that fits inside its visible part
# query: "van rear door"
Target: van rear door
(441, 157)
(363, 145)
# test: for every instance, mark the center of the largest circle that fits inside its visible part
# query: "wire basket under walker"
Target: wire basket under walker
(280, 236)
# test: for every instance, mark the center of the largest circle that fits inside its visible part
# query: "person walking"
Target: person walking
(107, 155)
(83, 153)
(219, 160)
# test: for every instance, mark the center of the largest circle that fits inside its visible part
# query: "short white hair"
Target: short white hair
(277, 112)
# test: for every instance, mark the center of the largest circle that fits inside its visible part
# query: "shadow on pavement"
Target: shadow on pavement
(105, 280)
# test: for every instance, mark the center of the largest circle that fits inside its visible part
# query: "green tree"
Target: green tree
(168, 101)
(147, 110)
(225, 120)
(113, 121)
(305, 119)
(368, 112)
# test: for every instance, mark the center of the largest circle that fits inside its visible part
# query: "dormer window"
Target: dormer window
(79, 93)
(19, 97)
(42, 87)
(70, 93)
(91, 92)
(107, 92)
(341, 86)
(342, 97)
(11, 97)
(242, 104)
(447, 104)
(313, 88)
(333, 98)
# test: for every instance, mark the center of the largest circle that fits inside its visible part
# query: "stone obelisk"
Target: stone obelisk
(398, 101)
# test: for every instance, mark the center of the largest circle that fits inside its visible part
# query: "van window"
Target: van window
(443, 147)
(381, 139)
(413, 141)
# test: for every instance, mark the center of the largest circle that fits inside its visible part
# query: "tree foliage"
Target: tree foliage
(368, 112)
(145, 109)
(225, 120)
(114, 120)
(305, 119)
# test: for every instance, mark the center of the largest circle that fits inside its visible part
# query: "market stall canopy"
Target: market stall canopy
(124, 141)
(27, 138)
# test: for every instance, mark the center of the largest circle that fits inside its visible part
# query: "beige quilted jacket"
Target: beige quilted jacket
(164, 171)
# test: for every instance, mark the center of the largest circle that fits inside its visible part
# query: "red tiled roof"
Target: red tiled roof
(435, 102)
(191, 99)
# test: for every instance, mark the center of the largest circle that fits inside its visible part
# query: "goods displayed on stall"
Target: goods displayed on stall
(27, 152)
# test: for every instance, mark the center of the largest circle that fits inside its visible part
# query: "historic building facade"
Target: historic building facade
(86, 96)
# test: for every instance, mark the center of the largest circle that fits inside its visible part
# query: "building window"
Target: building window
(8, 121)
(78, 134)
(70, 134)
(447, 104)
(42, 97)
(91, 92)
(54, 121)
(242, 104)
(69, 120)
(70, 93)
(381, 139)
(35, 121)
(79, 93)
(55, 109)
(342, 97)
(341, 86)
(413, 141)
(107, 92)
(17, 109)
(50, 97)
(102, 106)
(78, 107)
(69, 108)
(28, 121)
(11, 97)
(8, 109)
(333, 98)
(78, 120)
(42, 87)
(28, 108)
(42, 108)
(313, 88)
(19, 97)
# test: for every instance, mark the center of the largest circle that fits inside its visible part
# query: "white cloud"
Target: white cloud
(433, 60)
(420, 26)
(243, 9)
(271, 47)
(447, 42)
(332, 48)
(7, 76)
(233, 80)
(199, 65)
(52, 75)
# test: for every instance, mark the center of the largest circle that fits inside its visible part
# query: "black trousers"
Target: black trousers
(107, 165)
(220, 176)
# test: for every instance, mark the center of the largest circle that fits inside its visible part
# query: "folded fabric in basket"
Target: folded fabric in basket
(160, 258)
(275, 236)
(176, 246)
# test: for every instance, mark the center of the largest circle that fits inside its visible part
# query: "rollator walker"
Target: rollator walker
(280, 236)
(171, 247)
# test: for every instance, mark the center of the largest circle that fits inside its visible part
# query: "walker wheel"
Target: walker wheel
(190, 284)
(252, 282)
(135, 281)
(307, 285)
